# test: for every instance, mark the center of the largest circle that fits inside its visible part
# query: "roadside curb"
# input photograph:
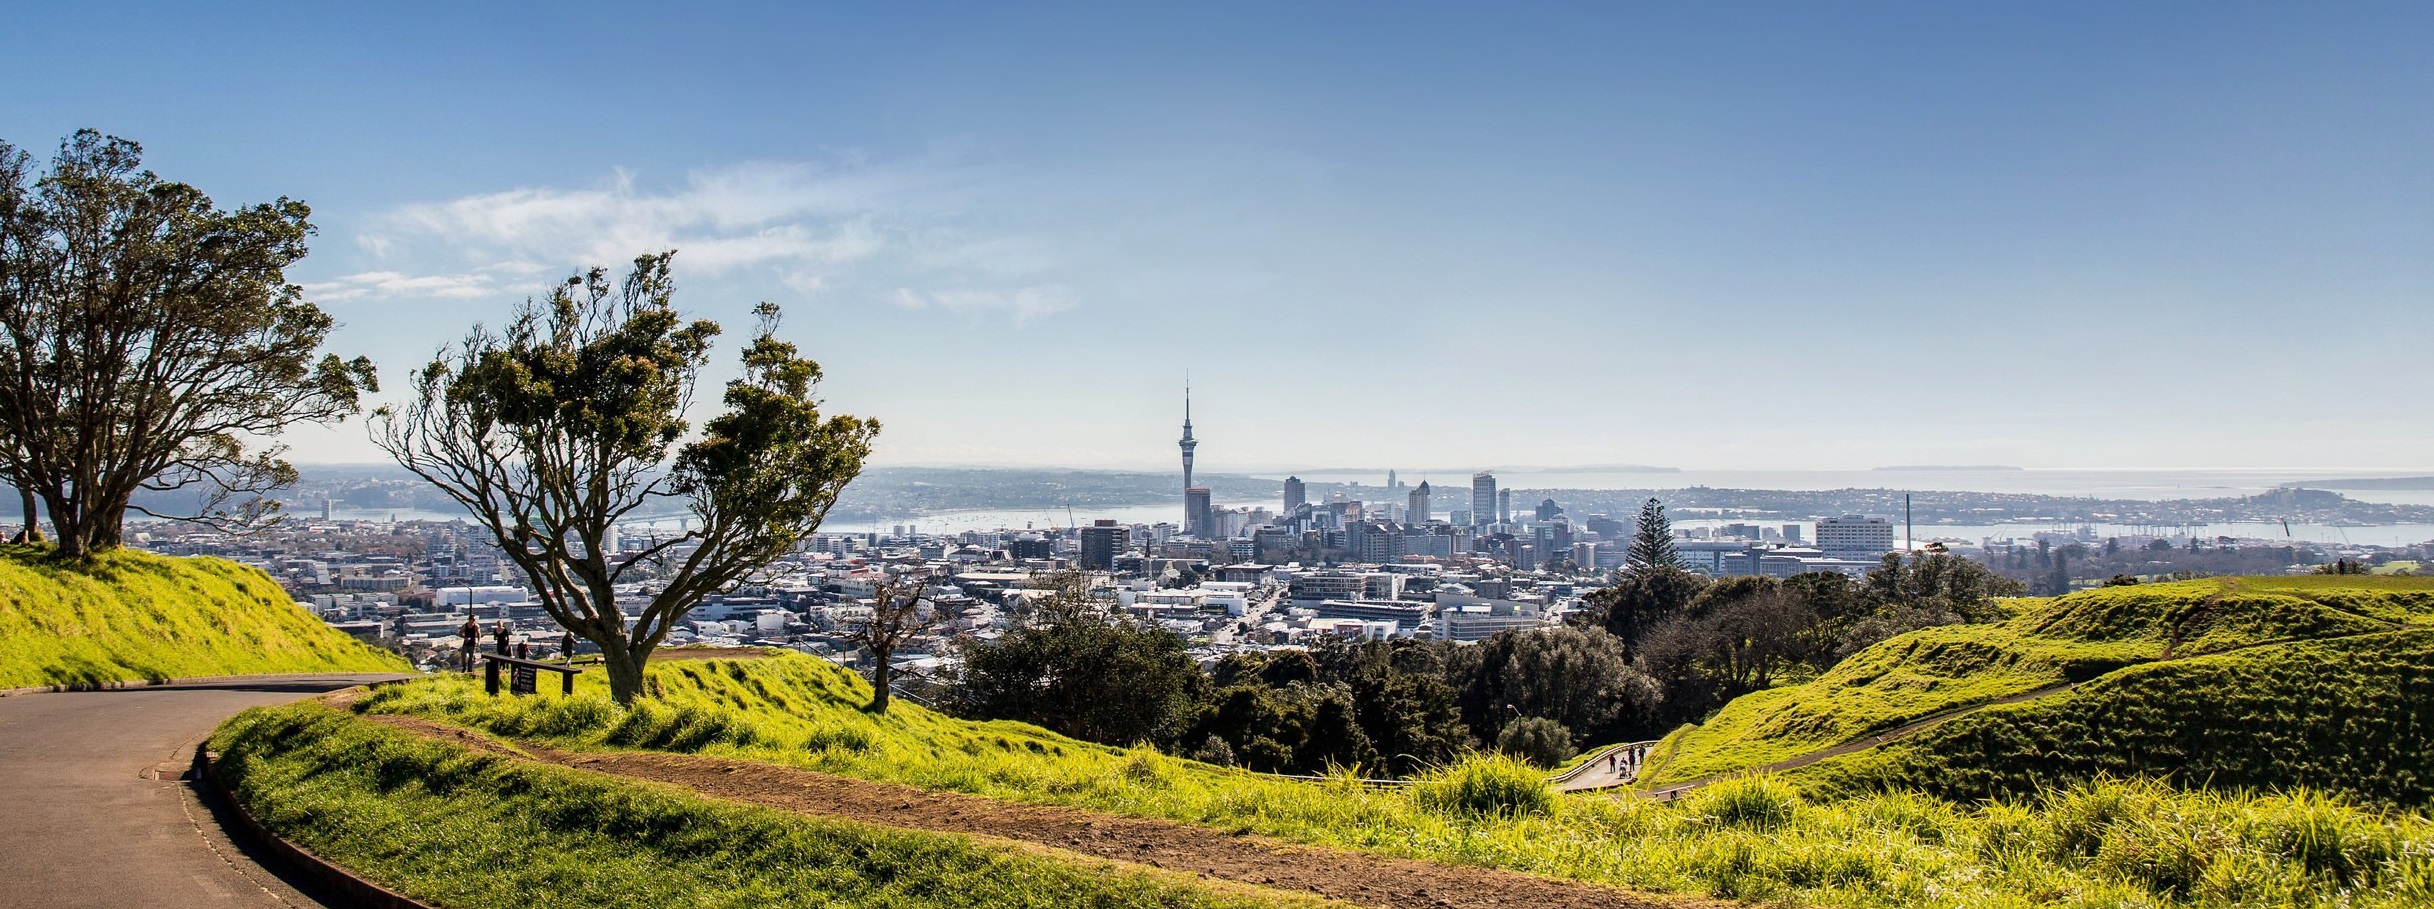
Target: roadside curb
(332, 877)
(113, 686)
(124, 684)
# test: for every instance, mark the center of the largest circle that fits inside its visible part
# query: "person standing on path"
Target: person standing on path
(566, 647)
(471, 633)
(500, 634)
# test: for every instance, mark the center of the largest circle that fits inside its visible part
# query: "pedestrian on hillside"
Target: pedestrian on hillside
(566, 647)
(471, 634)
(500, 633)
(523, 650)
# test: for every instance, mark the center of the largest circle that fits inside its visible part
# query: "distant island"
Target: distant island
(2366, 483)
(1912, 468)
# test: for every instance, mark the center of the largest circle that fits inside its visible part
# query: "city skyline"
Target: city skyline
(2061, 237)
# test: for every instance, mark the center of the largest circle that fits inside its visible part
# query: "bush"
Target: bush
(1485, 786)
(1538, 740)
(1756, 802)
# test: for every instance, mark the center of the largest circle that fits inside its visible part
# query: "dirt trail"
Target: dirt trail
(1353, 877)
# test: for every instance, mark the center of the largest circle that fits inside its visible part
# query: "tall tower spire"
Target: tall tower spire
(1187, 443)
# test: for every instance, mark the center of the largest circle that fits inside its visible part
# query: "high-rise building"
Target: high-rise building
(1296, 495)
(1547, 510)
(1100, 543)
(1504, 506)
(1198, 518)
(1854, 537)
(1392, 484)
(1483, 498)
(1416, 511)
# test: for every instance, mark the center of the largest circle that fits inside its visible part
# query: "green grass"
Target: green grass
(2049, 642)
(1756, 839)
(470, 831)
(2353, 716)
(130, 615)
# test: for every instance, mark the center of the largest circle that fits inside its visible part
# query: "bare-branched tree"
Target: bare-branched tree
(900, 611)
(570, 423)
(150, 341)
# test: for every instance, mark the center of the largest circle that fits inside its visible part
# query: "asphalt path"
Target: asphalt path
(94, 811)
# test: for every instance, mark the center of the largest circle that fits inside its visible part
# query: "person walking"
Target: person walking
(566, 647)
(500, 634)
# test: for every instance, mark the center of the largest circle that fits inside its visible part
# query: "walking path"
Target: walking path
(1360, 878)
(93, 812)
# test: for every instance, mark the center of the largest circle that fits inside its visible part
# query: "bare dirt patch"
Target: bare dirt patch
(1353, 877)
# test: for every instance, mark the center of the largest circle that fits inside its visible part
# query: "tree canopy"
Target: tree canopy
(149, 340)
(558, 429)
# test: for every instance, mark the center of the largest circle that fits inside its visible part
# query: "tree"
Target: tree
(148, 339)
(897, 616)
(556, 430)
(1652, 544)
(1102, 679)
(1574, 677)
(1638, 601)
(1538, 740)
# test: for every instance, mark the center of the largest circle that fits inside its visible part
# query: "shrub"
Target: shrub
(1485, 786)
(1538, 740)
(1756, 802)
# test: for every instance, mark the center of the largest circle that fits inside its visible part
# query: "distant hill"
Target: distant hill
(133, 616)
(2235, 682)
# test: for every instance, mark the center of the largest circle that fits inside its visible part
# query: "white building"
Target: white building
(1854, 537)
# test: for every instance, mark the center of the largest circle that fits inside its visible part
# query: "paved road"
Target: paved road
(87, 819)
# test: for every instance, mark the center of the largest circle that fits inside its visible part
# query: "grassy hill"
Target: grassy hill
(1757, 839)
(132, 616)
(2047, 644)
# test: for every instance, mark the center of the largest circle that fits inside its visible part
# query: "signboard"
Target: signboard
(522, 680)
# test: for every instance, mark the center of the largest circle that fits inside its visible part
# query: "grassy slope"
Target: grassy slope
(471, 831)
(1739, 840)
(2354, 716)
(2049, 642)
(133, 615)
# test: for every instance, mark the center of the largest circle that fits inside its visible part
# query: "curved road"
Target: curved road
(92, 813)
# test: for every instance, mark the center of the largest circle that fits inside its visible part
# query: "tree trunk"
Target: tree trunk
(879, 681)
(33, 516)
(624, 671)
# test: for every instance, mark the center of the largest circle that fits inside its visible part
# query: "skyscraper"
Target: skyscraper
(1504, 506)
(1100, 543)
(1483, 498)
(1196, 513)
(1417, 511)
(1392, 483)
(1296, 495)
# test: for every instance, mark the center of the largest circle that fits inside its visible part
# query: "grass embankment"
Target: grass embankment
(1747, 839)
(129, 615)
(2353, 716)
(471, 831)
(2048, 643)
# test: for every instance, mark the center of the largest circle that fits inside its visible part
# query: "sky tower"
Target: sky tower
(1187, 442)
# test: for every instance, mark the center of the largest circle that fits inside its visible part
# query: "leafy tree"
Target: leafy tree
(553, 432)
(1101, 679)
(1538, 740)
(1652, 546)
(1637, 601)
(147, 340)
(1575, 677)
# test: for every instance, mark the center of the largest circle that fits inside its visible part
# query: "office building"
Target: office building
(1100, 543)
(1504, 506)
(1416, 510)
(1483, 498)
(1296, 495)
(1854, 537)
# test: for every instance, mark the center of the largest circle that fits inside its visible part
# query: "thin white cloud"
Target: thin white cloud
(398, 284)
(812, 228)
(1022, 304)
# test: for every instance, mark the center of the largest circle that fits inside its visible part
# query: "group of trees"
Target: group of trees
(150, 340)
(1658, 647)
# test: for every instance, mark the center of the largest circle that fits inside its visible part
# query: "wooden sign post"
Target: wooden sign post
(523, 676)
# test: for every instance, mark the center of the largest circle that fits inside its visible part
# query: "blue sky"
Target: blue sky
(1706, 235)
